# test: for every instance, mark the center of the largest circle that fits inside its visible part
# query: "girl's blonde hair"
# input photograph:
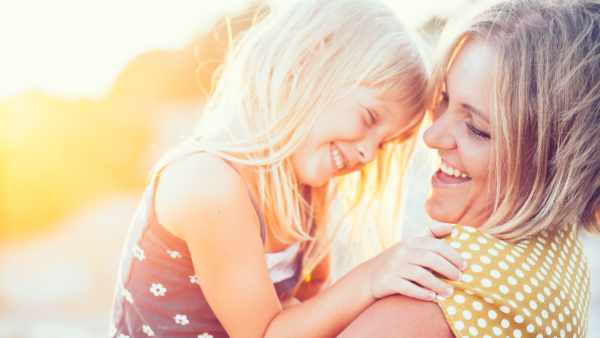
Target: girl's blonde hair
(285, 71)
(546, 111)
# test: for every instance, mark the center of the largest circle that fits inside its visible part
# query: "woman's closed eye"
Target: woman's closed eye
(477, 132)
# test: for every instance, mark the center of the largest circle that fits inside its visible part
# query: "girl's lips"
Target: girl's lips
(441, 179)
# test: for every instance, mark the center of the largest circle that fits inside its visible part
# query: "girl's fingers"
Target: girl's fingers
(407, 288)
(435, 263)
(439, 230)
(443, 249)
(427, 280)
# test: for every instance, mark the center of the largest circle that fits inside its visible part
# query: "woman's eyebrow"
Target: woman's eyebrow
(474, 111)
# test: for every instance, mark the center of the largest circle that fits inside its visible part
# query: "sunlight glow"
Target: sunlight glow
(76, 48)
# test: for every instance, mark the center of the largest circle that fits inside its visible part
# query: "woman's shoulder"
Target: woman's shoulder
(538, 285)
(399, 316)
(196, 188)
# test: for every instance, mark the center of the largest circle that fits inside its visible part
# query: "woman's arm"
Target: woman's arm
(401, 317)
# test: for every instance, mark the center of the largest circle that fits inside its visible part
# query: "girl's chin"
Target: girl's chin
(315, 181)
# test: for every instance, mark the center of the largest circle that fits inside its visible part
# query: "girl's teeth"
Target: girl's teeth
(337, 158)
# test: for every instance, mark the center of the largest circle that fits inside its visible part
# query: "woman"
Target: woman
(516, 123)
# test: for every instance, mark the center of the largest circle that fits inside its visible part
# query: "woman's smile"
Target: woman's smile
(449, 175)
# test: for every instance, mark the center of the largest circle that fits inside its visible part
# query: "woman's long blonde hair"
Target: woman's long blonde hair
(279, 76)
(546, 111)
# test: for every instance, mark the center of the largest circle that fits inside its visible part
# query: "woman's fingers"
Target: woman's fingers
(426, 279)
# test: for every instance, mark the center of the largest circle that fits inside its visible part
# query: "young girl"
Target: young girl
(235, 218)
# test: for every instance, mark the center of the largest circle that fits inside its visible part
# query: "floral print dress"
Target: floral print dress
(157, 293)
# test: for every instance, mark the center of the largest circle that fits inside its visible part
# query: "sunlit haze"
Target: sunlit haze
(76, 48)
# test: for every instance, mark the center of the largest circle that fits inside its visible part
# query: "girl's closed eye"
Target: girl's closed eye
(370, 118)
(443, 99)
(442, 104)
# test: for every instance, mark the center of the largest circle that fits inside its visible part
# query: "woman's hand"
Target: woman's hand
(410, 267)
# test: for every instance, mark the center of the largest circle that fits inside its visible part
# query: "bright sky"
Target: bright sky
(76, 48)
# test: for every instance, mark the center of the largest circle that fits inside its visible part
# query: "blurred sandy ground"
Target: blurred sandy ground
(68, 192)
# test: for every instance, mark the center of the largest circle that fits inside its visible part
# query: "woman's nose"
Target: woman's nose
(439, 134)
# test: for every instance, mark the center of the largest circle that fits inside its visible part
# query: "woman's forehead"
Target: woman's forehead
(470, 79)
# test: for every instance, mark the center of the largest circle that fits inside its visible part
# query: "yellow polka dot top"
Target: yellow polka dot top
(538, 287)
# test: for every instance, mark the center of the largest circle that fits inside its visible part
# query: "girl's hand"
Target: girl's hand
(290, 302)
(410, 267)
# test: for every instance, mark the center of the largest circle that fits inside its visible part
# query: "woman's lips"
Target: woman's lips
(440, 179)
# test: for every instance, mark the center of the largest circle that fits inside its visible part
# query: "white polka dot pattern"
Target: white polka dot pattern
(538, 287)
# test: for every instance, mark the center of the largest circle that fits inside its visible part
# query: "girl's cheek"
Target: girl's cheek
(344, 128)
(355, 129)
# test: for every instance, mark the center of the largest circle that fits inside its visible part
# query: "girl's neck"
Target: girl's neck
(250, 177)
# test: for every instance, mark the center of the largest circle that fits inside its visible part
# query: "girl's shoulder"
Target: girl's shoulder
(196, 190)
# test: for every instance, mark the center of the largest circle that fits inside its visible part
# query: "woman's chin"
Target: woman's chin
(441, 212)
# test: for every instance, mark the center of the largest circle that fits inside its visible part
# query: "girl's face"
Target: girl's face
(460, 189)
(349, 134)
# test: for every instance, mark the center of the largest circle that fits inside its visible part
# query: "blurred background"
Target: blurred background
(91, 94)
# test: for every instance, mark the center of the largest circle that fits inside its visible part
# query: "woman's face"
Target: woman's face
(349, 134)
(460, 189)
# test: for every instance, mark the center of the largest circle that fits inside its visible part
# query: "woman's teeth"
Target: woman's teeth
(452, 171)
(337, 157)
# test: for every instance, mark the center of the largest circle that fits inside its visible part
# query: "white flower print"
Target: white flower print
(112, 331)
(194, 279)
(205, 335)
(123, 336)
(127, 295)
(181, 319)
(173, 254)
(148, 330)
(138, 253)
(158, 289)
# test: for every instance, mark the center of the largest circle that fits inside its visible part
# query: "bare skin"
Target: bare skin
(215, 216)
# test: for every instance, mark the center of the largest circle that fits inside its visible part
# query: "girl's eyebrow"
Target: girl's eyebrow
(405, 132)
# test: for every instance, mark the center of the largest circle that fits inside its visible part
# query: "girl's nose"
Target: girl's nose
(366, 153)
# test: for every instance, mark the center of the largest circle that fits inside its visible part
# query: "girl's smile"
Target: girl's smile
(348, 135)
